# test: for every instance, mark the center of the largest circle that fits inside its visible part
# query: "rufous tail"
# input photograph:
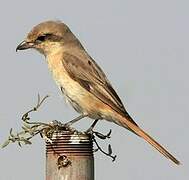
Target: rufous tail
(128, 124)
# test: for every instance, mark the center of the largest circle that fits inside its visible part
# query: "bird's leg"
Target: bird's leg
(68, 124)
(98, 134)
(90, 130)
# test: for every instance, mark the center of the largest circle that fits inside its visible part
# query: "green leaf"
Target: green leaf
(26, 125)
(109, 149)
(108, 135)
(11, 134)
(19, 143)
(27, 141)
(101, 136)
(6, 143)
(25, 128)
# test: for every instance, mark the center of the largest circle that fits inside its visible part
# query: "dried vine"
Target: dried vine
(46, 130)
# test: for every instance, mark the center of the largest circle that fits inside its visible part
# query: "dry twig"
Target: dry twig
(46, 130)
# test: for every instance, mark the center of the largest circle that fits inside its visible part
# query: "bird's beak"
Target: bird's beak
(24, 45)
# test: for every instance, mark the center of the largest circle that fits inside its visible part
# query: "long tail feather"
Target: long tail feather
(128, 124)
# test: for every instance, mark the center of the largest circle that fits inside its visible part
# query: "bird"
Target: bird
(81, 80)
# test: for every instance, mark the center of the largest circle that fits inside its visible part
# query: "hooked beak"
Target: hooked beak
(24, 45)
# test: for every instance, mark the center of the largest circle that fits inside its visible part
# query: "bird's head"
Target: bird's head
(47, 36)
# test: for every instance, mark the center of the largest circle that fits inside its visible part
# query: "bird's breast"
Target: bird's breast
(62, 78)
(81, 99)
(73, 91)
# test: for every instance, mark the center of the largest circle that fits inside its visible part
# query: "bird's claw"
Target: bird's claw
(64, 127)
(90, 131)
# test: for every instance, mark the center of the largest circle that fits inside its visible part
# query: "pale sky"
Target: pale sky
(143, 48)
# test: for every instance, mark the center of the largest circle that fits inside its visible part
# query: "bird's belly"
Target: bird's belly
(84, 102)
(81, 100)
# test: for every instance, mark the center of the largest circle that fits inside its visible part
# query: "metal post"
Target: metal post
(69, 157)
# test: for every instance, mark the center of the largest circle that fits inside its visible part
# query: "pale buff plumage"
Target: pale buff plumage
(81, 80)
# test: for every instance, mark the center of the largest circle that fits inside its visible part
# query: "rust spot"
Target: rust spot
(63, 161)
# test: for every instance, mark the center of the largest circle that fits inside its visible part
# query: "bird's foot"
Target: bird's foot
(64, 127)
(89, 131)
(98, 134)
(67, 126)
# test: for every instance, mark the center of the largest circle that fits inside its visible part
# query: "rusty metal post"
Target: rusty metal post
(69, 157)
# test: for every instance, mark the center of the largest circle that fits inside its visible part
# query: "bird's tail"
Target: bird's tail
(137, 130)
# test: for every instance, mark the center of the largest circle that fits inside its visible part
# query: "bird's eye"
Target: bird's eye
(41, 38)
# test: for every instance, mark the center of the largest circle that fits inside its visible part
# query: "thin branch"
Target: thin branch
(26, 117)
(46, 130)
(109, 153)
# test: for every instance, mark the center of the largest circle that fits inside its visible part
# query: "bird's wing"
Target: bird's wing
(90, 76)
